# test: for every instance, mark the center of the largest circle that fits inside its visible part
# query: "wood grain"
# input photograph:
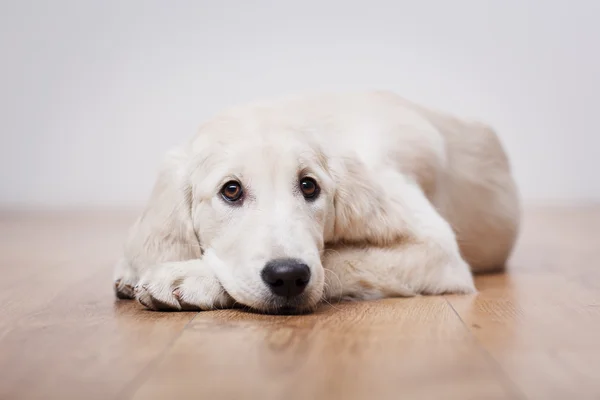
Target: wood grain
(529, 333)
(62, 335)
(417, 349)
(541, 321)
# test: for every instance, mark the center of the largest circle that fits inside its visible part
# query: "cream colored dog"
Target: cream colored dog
(278, 205)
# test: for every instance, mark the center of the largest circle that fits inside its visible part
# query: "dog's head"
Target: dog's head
(262, 207)
(259, 203)
(257, 199)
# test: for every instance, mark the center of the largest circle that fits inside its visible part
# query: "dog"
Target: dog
(278, 205)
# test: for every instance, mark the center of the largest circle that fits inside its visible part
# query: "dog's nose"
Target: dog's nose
(286, 277)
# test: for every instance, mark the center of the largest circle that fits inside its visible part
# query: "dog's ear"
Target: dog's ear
(165, 232)
(364, 214)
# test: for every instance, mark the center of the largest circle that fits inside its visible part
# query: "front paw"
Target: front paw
(125, 278)
(181, 286)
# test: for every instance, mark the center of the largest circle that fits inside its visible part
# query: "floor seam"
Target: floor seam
(514, 388)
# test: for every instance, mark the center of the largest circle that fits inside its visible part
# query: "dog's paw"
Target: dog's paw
(455, 277)
(124, 290)
(125, 280)
(181, 286)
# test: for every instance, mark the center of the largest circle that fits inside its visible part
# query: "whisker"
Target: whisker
(340, 282)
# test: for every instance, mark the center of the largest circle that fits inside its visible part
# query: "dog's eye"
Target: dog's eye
(232, 191)
(309, 188)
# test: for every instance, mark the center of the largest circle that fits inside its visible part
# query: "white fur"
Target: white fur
(412, 201)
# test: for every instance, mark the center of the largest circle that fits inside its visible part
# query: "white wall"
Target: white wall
(92, 93)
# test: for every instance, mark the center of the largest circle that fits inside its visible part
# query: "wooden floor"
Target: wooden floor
(533, 333)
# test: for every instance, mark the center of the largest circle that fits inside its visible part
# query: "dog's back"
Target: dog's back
(476, 192)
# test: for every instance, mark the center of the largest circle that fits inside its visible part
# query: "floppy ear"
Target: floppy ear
(364, 213)
(164, 232)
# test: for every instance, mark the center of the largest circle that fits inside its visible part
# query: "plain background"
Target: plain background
(93, 93)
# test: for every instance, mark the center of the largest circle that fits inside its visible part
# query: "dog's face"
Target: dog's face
(262, 210)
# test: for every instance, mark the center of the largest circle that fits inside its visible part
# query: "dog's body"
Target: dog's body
(404, 196)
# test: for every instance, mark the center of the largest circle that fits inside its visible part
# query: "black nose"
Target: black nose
(286, 277)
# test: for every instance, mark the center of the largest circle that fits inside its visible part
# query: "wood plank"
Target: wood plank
(42, 254)
(541, 322)
(83, 344)
(31, 242)
(530, 333)
(62, 334)
(396, 348)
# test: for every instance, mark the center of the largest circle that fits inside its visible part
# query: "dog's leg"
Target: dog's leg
(182, 285)
(402, 270)
(426, 261)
